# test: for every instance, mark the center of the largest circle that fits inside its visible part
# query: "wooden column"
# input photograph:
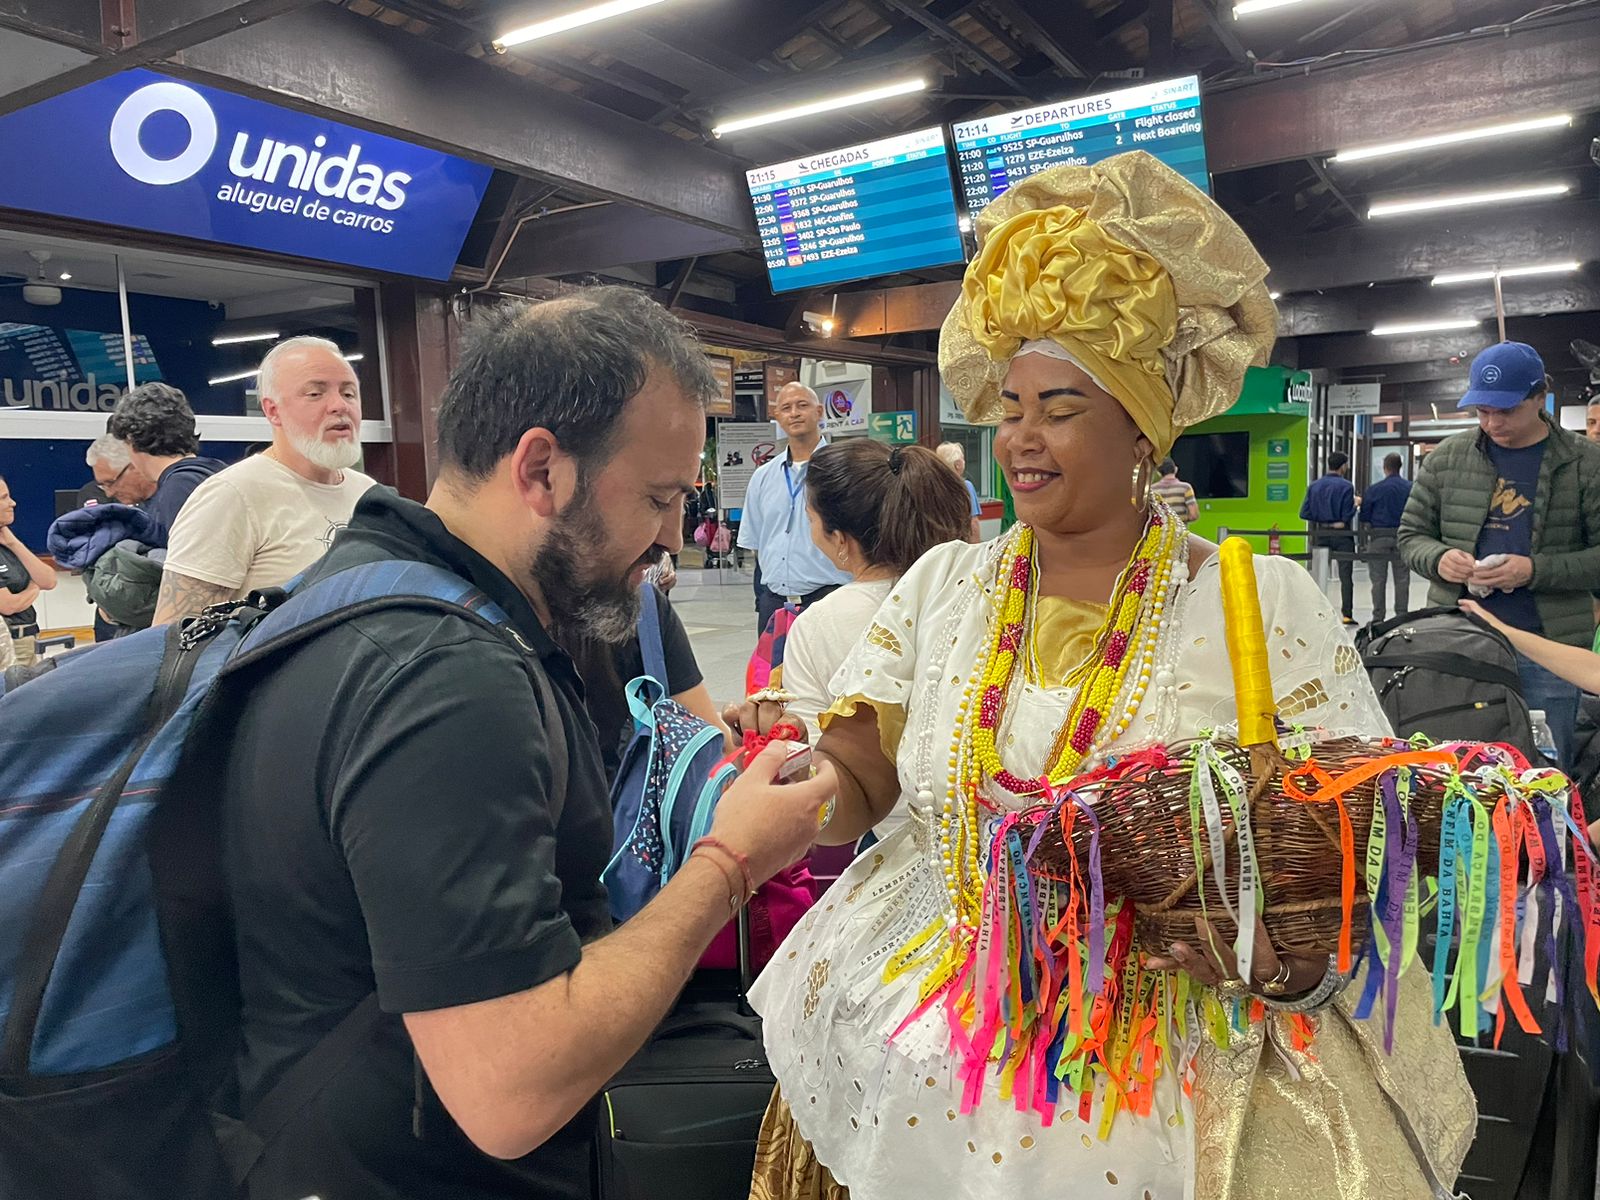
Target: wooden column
(420, 335)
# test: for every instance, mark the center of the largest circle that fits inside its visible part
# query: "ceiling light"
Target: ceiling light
(1274, 295)
(844, 100)
(251, 374)
(1246, 8)
(1405, 327)
(1504, 273)
(220, 379)
(1397, 208)
(238, 339)
(66, 275)
(1449, 139)
(571, 20)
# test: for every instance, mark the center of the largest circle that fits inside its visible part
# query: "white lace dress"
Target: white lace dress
(885, 1118)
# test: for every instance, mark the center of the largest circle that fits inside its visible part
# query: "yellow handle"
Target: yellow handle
(1247, 645)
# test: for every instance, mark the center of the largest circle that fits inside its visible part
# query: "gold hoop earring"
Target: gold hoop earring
(1140, 498)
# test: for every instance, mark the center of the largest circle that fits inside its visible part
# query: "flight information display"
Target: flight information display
(863, 211)
(995, 153)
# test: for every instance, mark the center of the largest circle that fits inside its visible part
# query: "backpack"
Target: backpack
(124, 583)
(118, 989)
(1442, 673)
(671, 776)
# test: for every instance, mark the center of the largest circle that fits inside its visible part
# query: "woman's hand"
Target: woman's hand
(760, 716)
(1211, 961)
(1473, 609)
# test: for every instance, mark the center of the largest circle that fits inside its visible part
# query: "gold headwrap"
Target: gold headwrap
(1131, 269)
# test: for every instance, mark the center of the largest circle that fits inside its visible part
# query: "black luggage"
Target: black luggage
(680, 1121)
(1442, 673)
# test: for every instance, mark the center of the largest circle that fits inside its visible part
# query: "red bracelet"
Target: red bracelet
(743, 863)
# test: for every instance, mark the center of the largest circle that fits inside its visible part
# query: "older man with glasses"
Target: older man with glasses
(115, 473)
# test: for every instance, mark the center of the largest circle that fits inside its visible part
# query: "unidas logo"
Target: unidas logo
(306, 172)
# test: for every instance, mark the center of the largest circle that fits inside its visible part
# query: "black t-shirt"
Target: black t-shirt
(1508, 527)
(389, 823)
(14, 578)
(176, 485)
(607, 670)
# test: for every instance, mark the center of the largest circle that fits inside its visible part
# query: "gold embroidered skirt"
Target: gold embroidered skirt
(786, 1166)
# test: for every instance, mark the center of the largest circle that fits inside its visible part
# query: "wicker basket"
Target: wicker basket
(1147, 843)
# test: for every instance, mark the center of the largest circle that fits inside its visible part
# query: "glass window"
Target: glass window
(976, 442)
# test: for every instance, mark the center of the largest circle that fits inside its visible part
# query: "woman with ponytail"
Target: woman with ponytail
(874, 511)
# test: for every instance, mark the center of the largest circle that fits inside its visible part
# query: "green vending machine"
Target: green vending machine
(1248, 467)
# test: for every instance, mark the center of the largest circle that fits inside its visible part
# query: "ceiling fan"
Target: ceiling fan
(37, 290)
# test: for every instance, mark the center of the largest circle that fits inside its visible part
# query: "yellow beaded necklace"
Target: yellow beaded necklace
(1128, 634)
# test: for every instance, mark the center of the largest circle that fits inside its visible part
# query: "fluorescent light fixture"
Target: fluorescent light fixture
(239, 339)
(1399, 208)
(1505, 129)
(1275, 295)
(846, 100)
(251, 374)
(1559, 268)
(1246, 8)
(66, 275)
(220, 379)
(571, 20)
(1406, 327)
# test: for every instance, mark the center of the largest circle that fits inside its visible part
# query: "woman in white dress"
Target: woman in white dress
(874, 510)
(1108, 308)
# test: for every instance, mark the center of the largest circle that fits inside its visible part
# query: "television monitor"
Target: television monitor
(863, 211)
(1216, 465)
(995, 153)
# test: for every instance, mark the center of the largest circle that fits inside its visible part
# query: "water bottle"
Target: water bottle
(1543, 740)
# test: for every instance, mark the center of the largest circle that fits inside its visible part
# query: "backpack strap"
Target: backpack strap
(650, 648)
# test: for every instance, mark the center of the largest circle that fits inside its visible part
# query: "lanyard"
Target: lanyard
(795, 486)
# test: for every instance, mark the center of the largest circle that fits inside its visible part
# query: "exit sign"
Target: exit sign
(897, 428)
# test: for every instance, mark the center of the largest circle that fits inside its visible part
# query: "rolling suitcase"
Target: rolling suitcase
(680, 1121)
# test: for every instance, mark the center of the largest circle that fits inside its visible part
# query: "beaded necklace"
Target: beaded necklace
(1126, 643)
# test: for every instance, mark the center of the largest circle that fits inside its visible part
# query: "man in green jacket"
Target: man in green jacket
(1511, 513)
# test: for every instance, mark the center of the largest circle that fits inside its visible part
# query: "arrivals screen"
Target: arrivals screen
(1163, 118)
(859, 212)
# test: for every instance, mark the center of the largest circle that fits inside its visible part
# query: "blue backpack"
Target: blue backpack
(118, 988)
(668, 783)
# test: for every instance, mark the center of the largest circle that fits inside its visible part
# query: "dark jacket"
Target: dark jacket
(80, 537)
(1331, 500)
(1450, 501)
(173, 489)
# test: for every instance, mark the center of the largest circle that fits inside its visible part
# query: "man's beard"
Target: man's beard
(330, 456)
(583, 604)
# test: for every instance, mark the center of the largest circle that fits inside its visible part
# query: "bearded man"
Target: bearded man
(261, 522)
(409, 815)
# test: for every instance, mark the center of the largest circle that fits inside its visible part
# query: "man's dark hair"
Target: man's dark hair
(1167, 467)
(155, 418)
(1338, 461)
(1392, 463)
(568, 365)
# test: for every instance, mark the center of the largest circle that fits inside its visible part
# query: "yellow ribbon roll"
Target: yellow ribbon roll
(1247, 645)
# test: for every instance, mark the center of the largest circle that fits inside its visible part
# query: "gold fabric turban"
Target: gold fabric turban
(1134, 272)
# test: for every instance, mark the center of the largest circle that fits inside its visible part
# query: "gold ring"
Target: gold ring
(770, 695)
(1279, 983)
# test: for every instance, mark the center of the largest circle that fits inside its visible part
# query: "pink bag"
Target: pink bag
(702, 534)
(775, 909)
(722, 540)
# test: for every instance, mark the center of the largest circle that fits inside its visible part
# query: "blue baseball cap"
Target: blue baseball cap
(1503, 376)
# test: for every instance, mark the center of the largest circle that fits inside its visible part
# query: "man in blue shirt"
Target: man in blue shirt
(1330, 507)
(775, 523)
(1381, 508)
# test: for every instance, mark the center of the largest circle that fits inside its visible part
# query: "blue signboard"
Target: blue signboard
(148, 152)
(997, 152)
(873, 209)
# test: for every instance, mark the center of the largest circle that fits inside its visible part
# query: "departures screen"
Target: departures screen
(856, 213)
(995, 153)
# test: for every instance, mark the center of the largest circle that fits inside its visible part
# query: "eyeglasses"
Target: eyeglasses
(115, 479)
